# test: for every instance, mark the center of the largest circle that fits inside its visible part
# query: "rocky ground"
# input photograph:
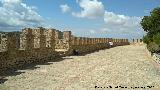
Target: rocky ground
(123, 66)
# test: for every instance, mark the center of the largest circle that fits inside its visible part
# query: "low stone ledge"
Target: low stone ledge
(156, 57)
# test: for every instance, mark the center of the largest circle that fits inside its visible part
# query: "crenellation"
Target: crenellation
(58, 34)
(81, 40)
(122, 40)
(73, 40)
(23, 41)
(126, 40)
(92, 41)
(88, 41)
(119, 40)
(26, 31)
(48, 34)
(26, 39)
(67, 35)
(78, 40)
(96, 40)
(136, 41)
(115, 40)
(104, 40)
(50, 38)
(67, 39)
(3, 45)
(39, 38)
(84, 41)
(63, 40)
(35, 44)
(99, 40)
(42, 38)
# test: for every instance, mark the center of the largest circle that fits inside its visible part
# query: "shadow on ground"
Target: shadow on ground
(32, 66)
(14, 71)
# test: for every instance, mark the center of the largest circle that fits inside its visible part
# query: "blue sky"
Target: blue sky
(91, 18)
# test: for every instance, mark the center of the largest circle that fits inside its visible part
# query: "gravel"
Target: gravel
(119, 66)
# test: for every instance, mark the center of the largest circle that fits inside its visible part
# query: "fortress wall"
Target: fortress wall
(3, 42)
(40, 45)
(136, 41)
(85, 45)
(31, 45)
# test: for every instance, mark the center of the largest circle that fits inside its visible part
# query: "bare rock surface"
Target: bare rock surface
(128, 66)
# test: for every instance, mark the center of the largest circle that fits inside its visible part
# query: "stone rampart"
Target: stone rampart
(41, 44)
(137, 41)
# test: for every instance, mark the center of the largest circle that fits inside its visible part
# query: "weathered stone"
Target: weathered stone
(40, 44)
(3, 45)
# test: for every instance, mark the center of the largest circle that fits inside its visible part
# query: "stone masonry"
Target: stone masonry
(41, 44)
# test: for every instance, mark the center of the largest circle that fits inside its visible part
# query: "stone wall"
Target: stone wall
(41, 44)
(137, 41)
(86, 45)
(3, 42)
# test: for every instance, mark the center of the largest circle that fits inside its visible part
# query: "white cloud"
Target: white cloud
(122, 25)
(117, 20)
(90, 9)
(65, 8)
(15, 13)
(113, 24)
(10, 1)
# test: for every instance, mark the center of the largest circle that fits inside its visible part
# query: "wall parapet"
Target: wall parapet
(34, 44)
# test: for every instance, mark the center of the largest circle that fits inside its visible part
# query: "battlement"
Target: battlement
(137, 41)
(34, 38)
(41, 44)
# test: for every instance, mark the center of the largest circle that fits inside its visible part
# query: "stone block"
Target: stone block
(50, 38)
(26, 39)
(3, 45)
(67, 35)
(13, 41)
